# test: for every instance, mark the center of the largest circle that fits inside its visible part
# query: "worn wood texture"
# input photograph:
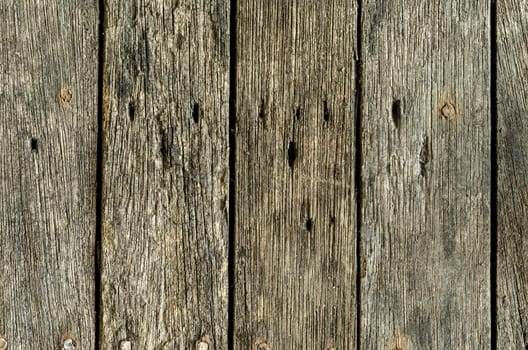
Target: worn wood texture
(425, 234)
(48, 150)
(165, 191)
(512, 158)
(295, 201)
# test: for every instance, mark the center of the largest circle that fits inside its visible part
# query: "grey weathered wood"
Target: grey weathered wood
(512, 157)
(295, 201)
(164, 229)
(425, 234)
(48, 151)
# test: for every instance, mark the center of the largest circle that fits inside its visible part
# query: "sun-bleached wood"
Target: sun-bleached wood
(425, 136)
(48, 152)
(512, 161)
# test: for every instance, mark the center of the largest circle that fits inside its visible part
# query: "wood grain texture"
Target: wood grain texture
(295, 205)
(512, 158)
(425, 234)
(48, 151)
(164, 230)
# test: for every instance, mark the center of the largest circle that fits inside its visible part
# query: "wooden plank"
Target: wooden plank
(425, 234)
(512, 158)
(166, 104)
(48, 151)
(295, 205)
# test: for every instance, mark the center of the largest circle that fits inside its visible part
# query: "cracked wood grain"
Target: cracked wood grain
(164, 230)
(512, 186)
(295, 199)
(48, 151)
(425, 126)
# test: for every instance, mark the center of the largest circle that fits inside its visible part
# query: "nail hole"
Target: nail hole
(326, 112)
(292, 153)
(180, 39)
(196, 112)
(131, 111)
(332, 220)
(298, 113)
(165, 144)
(396, 113)
(34, 145)
(309, 225)
(423, 157)
(262, 111)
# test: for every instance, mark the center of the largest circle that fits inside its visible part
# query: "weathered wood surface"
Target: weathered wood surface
(425, 131)
(512, 157)
(425, 234)
(48, 150)
(295, 201)
(164, 230)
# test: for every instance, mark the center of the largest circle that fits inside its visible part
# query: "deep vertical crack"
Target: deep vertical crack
(357, 175)
(493, 174)
(232, 174)
(99, 175)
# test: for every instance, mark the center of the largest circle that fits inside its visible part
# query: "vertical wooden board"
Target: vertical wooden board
(425, 234)
(295, 205)
(164, 230)
(512, 196)
(48, 151)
